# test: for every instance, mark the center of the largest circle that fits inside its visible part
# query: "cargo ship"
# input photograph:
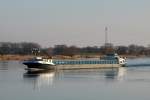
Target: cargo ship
(108, 61)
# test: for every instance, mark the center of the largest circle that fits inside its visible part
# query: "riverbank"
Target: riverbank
(15, 57)
(25, 57)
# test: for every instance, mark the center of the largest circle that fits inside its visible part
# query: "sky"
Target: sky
(75, 22)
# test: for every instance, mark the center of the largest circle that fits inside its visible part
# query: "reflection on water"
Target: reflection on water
(3, 65)
(118, 73)
(39, 78)
(45, 78)
(121, 73)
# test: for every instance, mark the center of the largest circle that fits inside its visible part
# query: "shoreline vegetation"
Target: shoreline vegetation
(75, 57)
(24, 50)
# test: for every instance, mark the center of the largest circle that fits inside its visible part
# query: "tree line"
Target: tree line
(25, 48)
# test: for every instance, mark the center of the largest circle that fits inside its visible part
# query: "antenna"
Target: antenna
(35, 51)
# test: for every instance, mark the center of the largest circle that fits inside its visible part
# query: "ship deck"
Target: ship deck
(80, 62)
(85, 64)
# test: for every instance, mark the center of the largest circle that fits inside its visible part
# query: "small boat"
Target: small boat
(39, 63)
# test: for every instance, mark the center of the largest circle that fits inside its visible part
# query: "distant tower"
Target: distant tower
(106, 36)
(108, 46)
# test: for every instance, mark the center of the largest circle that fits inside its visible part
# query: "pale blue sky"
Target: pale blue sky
(75, 22)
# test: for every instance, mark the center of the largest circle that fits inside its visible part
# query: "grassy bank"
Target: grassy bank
(14, 57)
(25, 57)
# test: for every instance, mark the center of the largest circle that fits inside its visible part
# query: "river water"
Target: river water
(126, 83)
